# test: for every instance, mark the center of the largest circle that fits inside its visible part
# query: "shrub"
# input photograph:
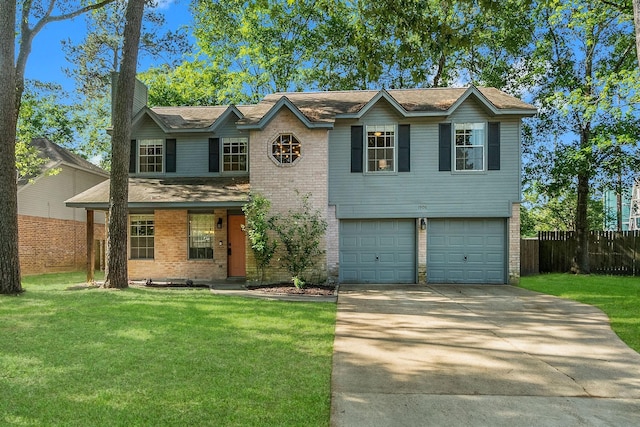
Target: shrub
(257, 226)
(300, 232)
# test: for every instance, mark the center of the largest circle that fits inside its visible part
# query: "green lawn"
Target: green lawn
(161, 357)
(617, 296)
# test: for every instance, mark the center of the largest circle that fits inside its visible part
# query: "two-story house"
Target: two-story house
(419, 185)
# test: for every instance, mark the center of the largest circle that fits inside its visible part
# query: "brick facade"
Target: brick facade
(309, 174)
(49, 245)
(171, 252)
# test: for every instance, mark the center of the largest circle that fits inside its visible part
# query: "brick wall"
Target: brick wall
(309, 174)
(171, 252)
(48, 245)
(422, 253)
(514, 244)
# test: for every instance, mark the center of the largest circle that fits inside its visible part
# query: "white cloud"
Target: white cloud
(163, 4)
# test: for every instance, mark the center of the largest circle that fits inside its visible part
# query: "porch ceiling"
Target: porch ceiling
(170, 193)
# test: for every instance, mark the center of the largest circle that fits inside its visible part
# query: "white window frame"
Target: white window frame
(380, 163)
(286, 149)
(470, 137)
(142, 227)
(201, 235)
(142, 143)
(241, 145)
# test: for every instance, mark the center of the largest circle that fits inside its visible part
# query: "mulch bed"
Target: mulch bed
(289, 289)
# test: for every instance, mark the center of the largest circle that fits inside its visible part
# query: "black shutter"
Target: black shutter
(171, 155)
(357, 140)
(214, 154)
(444, 147)
(404, 149)
(133, 154)
(493, 151)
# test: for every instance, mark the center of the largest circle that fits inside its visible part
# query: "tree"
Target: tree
(43, 114)
(257, 228)
(30, 16)
(98, 55)
(117, 276)
(584, 78)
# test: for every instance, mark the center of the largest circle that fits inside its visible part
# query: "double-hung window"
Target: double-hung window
(201, 234)
(381, 148)
(470, 146)
(141, 233)
(234, 154)
(150, 155)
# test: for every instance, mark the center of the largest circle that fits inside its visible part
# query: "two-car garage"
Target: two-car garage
(458, 251)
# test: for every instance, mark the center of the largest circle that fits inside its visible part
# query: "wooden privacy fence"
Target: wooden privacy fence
(610, 252)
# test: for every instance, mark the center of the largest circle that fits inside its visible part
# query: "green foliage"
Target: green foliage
(257, 228)
(260, 47)
(542, 212)
(43, 114)
(300, 232)
(94, 58)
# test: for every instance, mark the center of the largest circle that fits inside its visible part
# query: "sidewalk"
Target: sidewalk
(478, 356)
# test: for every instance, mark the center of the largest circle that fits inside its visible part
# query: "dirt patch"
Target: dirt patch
(289, 289)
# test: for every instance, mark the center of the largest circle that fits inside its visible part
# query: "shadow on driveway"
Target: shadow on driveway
(478, 355)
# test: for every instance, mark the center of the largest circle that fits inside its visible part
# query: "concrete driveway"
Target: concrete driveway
(478, 356)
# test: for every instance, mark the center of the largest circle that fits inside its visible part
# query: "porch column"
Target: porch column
(91, 253)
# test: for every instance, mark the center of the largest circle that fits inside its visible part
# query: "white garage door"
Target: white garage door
(377, 251)
(466, 251)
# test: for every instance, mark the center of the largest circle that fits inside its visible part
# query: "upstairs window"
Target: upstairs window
(381, 148)
(469, 151)
(150, 155)
(285, 149)
(234, 154)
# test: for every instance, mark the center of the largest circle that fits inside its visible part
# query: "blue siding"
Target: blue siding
(425, 191)
(192, 149)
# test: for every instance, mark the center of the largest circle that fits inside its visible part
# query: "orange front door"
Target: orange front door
(236, 247)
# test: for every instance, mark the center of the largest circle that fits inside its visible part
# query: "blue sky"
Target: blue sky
(47, 61)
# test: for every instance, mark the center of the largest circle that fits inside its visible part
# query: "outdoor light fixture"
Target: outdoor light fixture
(219, 225)
(423, 224)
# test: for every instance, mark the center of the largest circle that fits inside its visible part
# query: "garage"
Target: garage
(466, 250)
(378, 251)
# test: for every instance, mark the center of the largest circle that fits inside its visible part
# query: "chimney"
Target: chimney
(140, 95)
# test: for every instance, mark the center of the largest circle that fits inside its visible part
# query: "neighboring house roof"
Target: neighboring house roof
(176, 192)
(57, 156)
(321, 109)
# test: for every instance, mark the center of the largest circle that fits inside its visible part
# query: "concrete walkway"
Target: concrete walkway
(478, 356)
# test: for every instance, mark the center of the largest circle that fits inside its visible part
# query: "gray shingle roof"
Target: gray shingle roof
(178, 192)
(55, 154)
(325, 107)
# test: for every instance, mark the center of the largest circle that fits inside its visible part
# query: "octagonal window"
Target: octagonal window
(285, 149)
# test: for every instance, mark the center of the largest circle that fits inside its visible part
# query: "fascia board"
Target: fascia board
(472, 90)
(285, 102)
(373, 101)
(146, 110)
(223, 118)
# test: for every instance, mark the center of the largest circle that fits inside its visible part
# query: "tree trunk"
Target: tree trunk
(9, 254)
(119, 185)
(636, 21)
(581, 260)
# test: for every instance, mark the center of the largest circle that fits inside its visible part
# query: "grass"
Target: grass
(617, 296)
(161, 357)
